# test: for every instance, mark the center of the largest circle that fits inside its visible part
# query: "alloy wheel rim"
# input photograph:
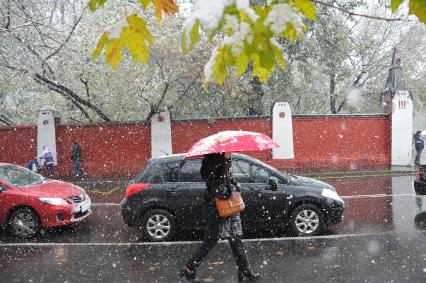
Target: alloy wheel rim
(307, 221)
(158, 226)
(24, 224)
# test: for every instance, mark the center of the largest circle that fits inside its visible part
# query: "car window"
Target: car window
(245, 172)
(171, 171)
(20, 176)
(152, 175)
(190, 171)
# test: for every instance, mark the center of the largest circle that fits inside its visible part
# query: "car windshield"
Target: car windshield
(18, 176)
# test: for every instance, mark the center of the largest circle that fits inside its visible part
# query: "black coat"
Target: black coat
(76, 153)
(215, 170)
(418, 142)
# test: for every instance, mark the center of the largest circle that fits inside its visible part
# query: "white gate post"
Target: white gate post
(46, 131)
(402, 128)
(161, 134)
(282, 131)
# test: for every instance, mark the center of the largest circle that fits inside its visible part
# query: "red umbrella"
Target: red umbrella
(231, 141)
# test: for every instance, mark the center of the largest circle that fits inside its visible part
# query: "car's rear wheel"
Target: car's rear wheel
(158, 225)
(24, 223)
(307, 220)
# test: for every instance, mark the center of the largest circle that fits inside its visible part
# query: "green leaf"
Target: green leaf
(242, 63)
(418, 8)
(280, 58)
(395, 4)
(145, 3)
(94, 3)
(194, 37)
(259, 70)
(306, 7)
(220, 71)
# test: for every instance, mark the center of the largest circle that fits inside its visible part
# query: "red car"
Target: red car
(29, 201)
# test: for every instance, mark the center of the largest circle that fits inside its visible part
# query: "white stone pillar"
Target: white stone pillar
(46, 131)
(402, 128)
(282, 131)
(161, 134)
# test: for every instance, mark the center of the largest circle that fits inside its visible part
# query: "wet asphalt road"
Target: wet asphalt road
(382, 239)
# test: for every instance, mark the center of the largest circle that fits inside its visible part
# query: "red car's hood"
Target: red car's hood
(52, 188)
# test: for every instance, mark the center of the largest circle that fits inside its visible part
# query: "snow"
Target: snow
(354, 97)
(208, 12)
(280, 16)
(114, 32)
(208, 68)
(244, 5)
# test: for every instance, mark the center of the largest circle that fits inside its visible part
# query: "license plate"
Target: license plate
(85, 207)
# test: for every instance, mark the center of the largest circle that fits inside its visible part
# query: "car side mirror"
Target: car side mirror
(273, 182)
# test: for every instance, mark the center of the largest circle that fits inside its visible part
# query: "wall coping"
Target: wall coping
(115, 123)
(223, 118)
(208, 119)
(12, 127)
(372, 115)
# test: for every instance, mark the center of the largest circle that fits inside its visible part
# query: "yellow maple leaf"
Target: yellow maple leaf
(132, 34)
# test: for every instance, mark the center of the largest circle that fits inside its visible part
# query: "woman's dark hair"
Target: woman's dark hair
(213, 163)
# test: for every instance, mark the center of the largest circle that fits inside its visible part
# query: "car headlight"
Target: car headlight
(54, 201)
(331, 194)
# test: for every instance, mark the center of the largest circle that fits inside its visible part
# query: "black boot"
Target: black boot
(190, 275)
(247, 274)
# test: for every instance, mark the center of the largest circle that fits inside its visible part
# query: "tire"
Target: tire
(24, 223)
(307, 220)
(158, 225)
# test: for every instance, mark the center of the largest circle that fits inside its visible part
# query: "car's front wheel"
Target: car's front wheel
(307, 220)
(158, 225)
(24, 223)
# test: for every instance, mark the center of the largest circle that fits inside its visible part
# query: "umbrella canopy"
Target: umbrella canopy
(231, 141)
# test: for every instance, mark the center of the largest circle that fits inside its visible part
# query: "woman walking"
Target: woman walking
(216, 171)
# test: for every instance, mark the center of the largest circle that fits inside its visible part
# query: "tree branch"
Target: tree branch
(68, 93)
(350, 13)
(68, 37)
(5, 120)
(86, 86)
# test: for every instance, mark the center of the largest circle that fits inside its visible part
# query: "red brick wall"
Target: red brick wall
(122, 149)
(186, 133)
(341, 140)
(319, 141)
(109, 149)
(18, 144)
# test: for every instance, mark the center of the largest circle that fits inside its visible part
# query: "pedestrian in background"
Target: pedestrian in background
(76, 157)
(419, 145)
(46, 158)
(216, 171)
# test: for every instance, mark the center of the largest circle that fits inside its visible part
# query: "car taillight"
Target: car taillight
(134, 188)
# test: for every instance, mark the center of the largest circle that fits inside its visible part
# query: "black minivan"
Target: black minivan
(167, 196)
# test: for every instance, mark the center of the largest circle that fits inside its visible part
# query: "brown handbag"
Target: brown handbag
(230, 206)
